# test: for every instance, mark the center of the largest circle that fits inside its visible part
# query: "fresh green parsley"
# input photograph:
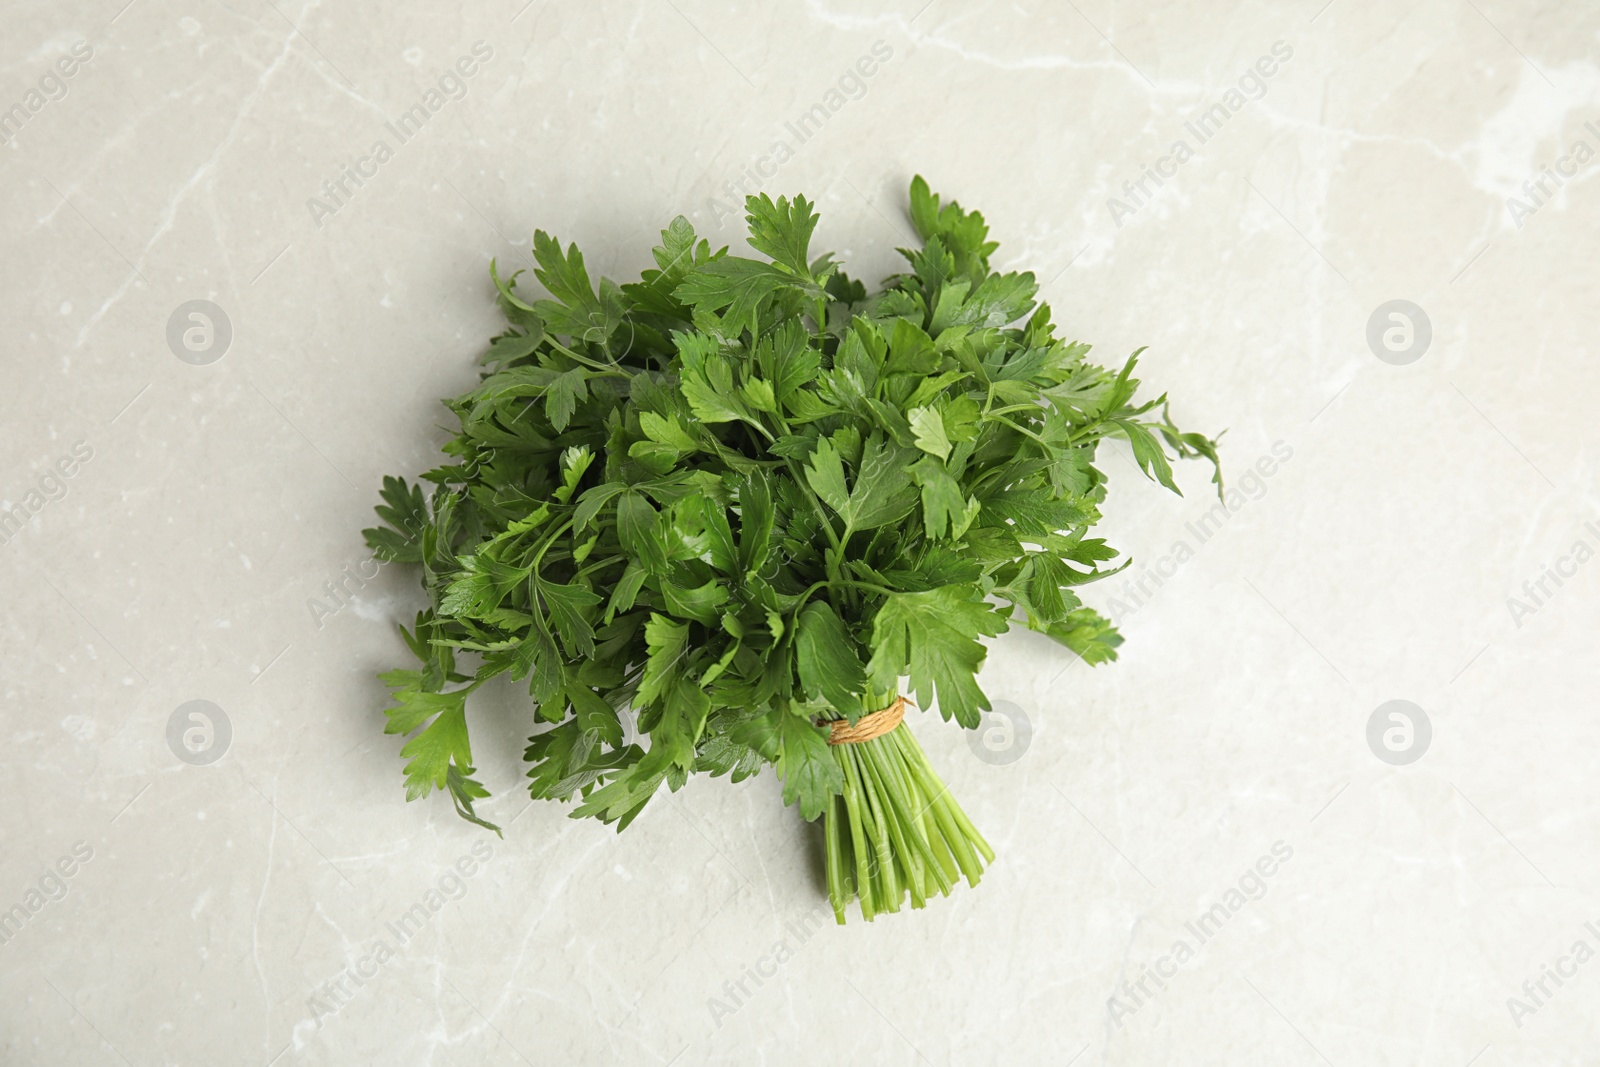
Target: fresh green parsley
(738, 498)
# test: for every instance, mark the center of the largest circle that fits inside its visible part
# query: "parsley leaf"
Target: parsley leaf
(827, 662)
(810, 775)
(932, 636)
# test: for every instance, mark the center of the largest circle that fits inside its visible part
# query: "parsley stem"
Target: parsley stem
(1014, 407)
(894, 829)
(806, 491)
(601, 564)
(612, 370)
(833, 830)
(1020, 429)
(557, 532)
(880, 590)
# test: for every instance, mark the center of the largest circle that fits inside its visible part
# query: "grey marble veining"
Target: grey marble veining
(246, 250)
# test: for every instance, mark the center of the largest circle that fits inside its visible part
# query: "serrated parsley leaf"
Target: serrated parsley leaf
(825, 472)
(827, 661)
(944, 513)
(1147, 453)
(666, 641)
(638, 529)
(571, 610)
(933, 636)
(406, 514)
(883, 492)
(735, 287)
(1087, 634)
(562, 396)
(782, 230)
(786, 358)
(443, 740)
(576, 311)
(927, 427)
(810, 776)
(481, 585)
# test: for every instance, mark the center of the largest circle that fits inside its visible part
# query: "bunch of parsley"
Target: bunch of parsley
(737, 499)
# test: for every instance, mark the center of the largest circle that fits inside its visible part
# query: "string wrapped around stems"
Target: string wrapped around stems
(895, 830)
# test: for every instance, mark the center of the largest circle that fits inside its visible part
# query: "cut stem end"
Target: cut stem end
(895, 831)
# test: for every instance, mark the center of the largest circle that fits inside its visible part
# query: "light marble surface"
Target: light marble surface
(209, 906)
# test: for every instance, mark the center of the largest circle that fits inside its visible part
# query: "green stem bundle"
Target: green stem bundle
(895, 829)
